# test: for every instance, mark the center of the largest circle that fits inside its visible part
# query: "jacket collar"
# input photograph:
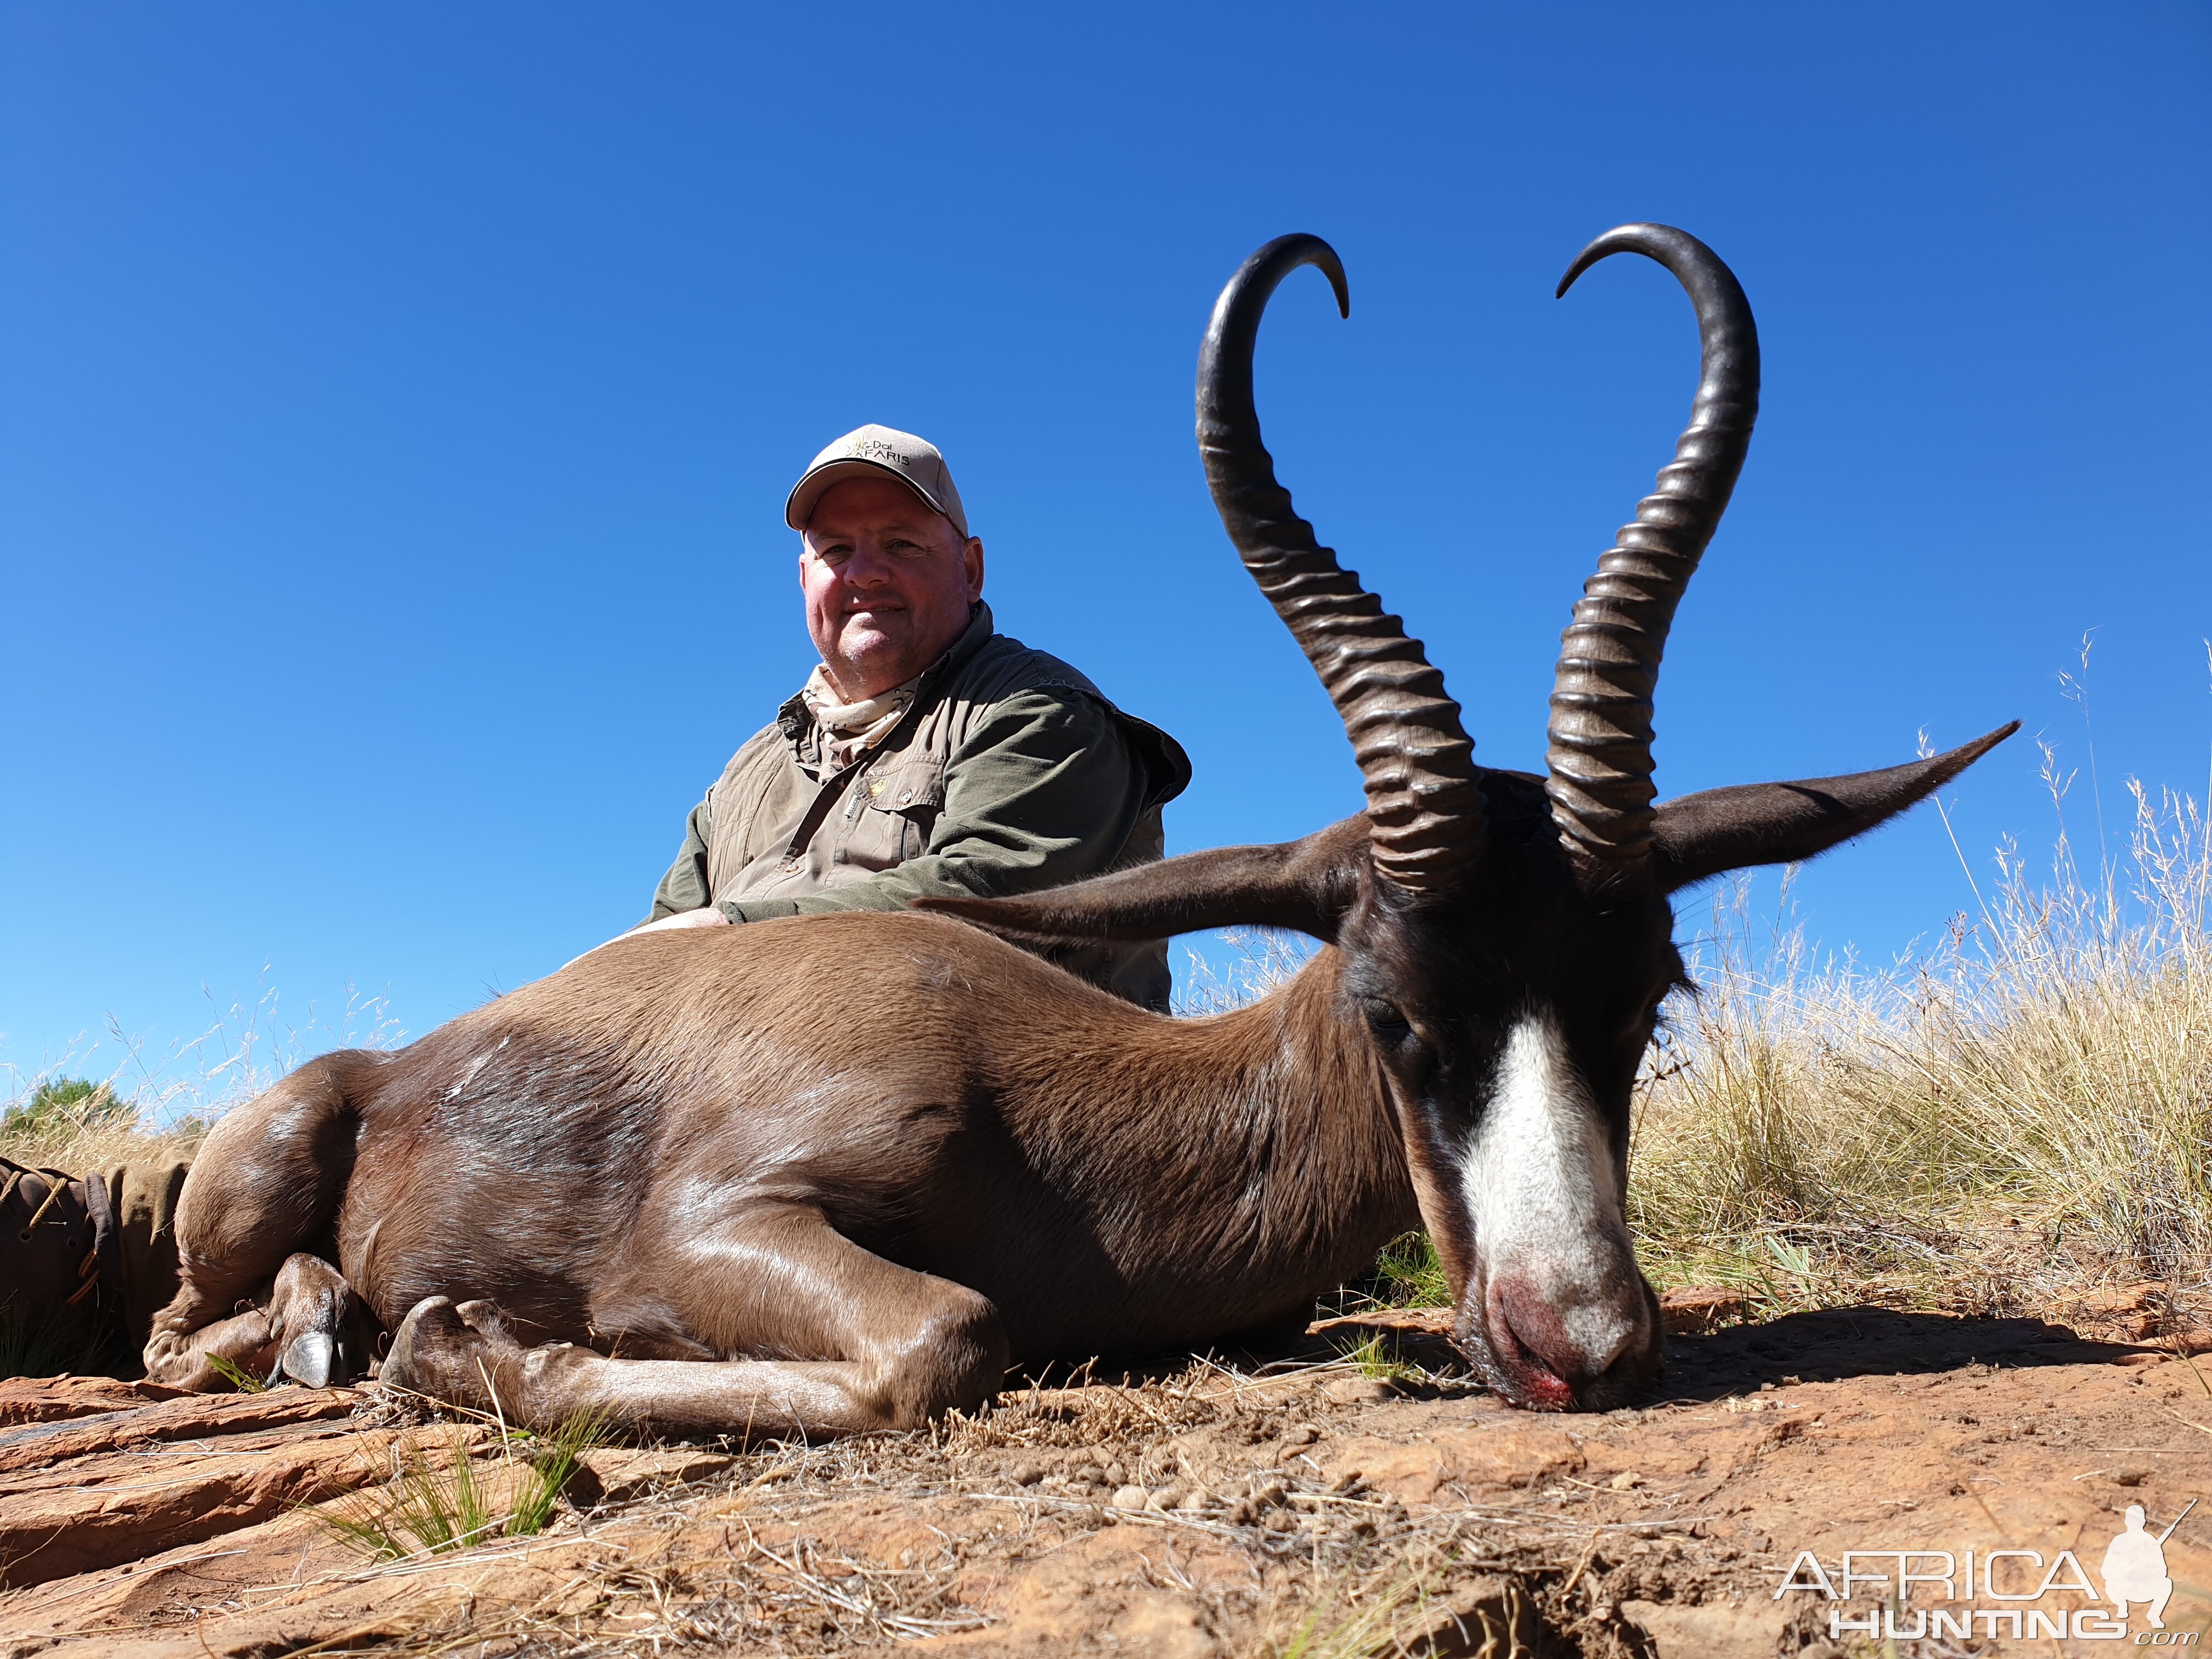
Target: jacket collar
(796, 721)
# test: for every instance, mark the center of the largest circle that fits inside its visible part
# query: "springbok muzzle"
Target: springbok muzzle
(1555, 1316)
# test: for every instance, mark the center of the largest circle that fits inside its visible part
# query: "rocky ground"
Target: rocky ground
(1321, 1506)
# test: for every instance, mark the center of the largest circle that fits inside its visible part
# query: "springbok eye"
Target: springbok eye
(1647, 1017)
(1384, 1019)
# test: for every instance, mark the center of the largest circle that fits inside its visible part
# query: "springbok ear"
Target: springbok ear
(1306, 885)
(1701, 836)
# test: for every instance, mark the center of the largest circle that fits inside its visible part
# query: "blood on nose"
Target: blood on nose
(1518, 1309)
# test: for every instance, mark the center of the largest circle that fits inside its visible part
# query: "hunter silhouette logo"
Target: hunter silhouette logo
(2023, 1587)
(2135, 1567)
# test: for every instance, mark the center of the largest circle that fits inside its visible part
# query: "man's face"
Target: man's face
(888, 583)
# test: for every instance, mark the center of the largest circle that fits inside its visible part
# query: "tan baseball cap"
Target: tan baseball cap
(869, 451)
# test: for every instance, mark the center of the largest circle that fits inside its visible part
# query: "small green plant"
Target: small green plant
(553, 1464)
(231, 1372)
(69, 1103)
(426, 1508)
(1347, 1619)
(1407, 1274)
(1331, 1629)
(1796, 1261)
(1379, 1359)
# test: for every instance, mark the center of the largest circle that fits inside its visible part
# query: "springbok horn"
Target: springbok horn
(1424, 802)
(1599, 757)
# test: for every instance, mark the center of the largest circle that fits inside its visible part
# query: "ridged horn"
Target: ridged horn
(1599, 757)
(1424, 802)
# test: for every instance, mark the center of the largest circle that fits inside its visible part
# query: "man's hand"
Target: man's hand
(707, 917)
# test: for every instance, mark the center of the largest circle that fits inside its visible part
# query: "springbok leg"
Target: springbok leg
(864, 1345)
(309, 1319)
(185, 1359)
(265, 1185)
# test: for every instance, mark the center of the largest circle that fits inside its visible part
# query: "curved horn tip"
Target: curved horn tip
(1414, 755)
(1602, 799)
(1323, 259)
(1286, 253)
(1646, 238)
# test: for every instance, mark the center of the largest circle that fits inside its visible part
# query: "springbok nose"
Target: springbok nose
(1561, 1309)
(1575, 1340)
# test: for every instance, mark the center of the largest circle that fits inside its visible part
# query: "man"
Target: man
(927, 753)
(86, 1262)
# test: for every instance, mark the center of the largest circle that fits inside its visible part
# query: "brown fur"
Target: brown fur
(830, 1173)
(879, 1156)
(655, 1153)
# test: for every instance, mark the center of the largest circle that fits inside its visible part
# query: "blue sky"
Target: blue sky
(396, 403)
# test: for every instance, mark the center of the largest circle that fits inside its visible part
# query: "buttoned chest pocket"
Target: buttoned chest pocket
(896, 810)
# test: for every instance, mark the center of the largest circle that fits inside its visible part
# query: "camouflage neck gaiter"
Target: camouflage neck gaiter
(849, 729)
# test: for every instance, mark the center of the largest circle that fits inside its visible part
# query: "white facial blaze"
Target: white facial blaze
(1539, 1180)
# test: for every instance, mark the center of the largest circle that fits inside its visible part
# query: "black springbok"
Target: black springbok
(833, 1173)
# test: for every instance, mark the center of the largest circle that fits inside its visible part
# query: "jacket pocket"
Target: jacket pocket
(901, 802)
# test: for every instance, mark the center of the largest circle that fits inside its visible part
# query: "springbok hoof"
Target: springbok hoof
(424, 1347)
(326, 1331)
(450, 1353)
(484, 1318)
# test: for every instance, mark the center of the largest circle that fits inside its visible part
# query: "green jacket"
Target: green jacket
(1011, 772)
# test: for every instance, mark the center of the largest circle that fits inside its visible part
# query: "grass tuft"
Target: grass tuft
(553, 1464)
(1407, 1274)
(1414, 1600)
(232, 1373)
(428, 1508)
(431, 1506)
(1997, 1123)
(1378, 1357)
(1350, 1620)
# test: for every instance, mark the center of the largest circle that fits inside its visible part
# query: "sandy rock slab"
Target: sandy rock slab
(45, 1398)
(148, 1470)
(1197, 1511)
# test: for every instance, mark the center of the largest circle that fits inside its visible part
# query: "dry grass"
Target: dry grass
(1268, 1552)
(2012, 1117)
(1246, 963)
(66, 1144)
(146, 1108)
(1397, 1605)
